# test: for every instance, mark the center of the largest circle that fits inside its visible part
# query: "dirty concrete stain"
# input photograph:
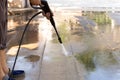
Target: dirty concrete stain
(32, 58)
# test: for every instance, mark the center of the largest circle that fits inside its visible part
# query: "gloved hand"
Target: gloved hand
(38, 2)
(47, 11)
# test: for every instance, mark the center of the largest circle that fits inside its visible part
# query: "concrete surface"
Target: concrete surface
(44, 60)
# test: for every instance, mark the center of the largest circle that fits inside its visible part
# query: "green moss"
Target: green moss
(63, 32)
(87, 59)
(103, 58)
(100, 18)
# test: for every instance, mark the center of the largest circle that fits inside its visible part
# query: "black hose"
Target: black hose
(45, 8)
(21, 42)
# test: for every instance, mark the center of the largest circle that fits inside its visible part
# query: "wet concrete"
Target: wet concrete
(29, 58)
(39, 59)
(44, 59)
(57, 66)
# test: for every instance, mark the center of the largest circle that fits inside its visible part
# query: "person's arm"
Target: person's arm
(38, 2)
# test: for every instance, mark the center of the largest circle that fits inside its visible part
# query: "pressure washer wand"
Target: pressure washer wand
(46, 9)
(53, 24)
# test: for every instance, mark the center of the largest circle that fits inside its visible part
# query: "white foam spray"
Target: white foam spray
(64, 50)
